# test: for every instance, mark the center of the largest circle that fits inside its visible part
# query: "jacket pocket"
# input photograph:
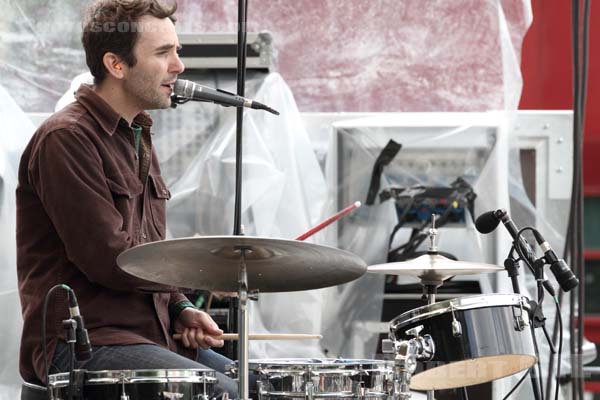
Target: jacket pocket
(125, 190)
(159, 194)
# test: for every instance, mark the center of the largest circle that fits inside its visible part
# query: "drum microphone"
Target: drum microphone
(488, 221)
(563, 274)
(83, 347)
(188, 90)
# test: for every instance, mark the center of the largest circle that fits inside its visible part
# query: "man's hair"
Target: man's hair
(112, 26)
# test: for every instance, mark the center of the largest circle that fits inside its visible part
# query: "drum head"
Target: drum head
(471, 372)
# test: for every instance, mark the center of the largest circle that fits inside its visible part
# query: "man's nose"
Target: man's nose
(177, 66)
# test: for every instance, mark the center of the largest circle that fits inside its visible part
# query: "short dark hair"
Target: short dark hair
(112, 26)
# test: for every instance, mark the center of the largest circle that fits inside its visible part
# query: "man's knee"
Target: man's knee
(226, 385)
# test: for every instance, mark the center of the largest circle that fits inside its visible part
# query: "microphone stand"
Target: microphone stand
(511, 265)
(241, 304)
(76, 376)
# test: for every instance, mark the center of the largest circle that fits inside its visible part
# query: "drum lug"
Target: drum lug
(359, 391)
(259, 389)
(456, 326)
(124, 395)
(522, 320)
(456, 329)
(310, 390)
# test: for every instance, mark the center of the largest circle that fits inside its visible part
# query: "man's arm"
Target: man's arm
(67, 173)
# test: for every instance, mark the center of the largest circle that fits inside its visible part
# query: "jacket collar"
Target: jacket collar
(102, 112)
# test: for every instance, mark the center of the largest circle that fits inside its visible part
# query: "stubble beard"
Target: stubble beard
(147, 93)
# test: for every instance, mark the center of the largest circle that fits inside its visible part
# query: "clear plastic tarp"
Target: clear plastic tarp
(14, 135)
(456, 56)
(284, 193)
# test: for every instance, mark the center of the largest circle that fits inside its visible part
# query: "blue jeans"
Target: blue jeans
(147, 356)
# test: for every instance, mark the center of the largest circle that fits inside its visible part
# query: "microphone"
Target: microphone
(188, 90)
(488, 221)
(83, 347)
(563, 274)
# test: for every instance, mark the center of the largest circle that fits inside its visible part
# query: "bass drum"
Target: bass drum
(477, 339)
(146, 384)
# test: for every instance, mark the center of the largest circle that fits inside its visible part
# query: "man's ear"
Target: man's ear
(114, 65)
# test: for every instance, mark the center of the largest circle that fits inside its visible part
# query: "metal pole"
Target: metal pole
(243, 328)
(431, 292)
(237, 220)
(241, 79)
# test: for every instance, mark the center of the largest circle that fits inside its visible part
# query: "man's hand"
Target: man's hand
(197, 329)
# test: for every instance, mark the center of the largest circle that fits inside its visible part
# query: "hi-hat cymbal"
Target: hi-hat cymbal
(433, 268)
(212, 263)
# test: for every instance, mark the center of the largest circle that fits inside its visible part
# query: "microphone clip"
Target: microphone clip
(176, 100)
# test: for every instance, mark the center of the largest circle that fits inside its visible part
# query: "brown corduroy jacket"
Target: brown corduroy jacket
(85, 196)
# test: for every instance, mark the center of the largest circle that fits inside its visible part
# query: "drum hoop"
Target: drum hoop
(316, 371)
(343, 395)
(316, 361)
(458, 304)
(139, 376)
(301, 366)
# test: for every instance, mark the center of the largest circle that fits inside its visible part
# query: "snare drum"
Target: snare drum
(477, 339)
(301, 378)
(145, 384)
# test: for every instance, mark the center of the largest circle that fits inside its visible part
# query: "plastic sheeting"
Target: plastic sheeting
(476, 144)
(455, 56)
(283, 196)
(358, 55)
(14, 135)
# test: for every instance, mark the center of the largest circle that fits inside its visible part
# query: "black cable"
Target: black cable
(560, 344)
(44, 314)
(556, 330)
(517, 384)
(540, 298)
(538, 363)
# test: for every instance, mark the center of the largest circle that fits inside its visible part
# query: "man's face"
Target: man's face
(150, 81)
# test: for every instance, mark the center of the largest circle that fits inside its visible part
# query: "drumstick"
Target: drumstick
(330, 220)
(262, 336)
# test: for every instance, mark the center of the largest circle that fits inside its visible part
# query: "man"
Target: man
(89, 188)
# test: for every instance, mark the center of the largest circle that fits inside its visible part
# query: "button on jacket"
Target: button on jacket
(85, 196)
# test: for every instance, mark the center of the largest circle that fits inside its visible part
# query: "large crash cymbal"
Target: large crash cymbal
(433, 268)
(212, 263)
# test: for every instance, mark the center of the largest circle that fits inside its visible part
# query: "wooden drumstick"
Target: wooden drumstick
(330, 220)
(262, 336)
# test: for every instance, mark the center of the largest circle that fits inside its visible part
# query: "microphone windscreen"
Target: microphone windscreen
(487, 222)
(183, 88)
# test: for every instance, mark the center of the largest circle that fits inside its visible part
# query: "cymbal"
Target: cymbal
(433, 268)
(212, 263)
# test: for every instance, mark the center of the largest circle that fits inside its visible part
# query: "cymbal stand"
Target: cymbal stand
(429, 292)
(430, 288)
(243, 323)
